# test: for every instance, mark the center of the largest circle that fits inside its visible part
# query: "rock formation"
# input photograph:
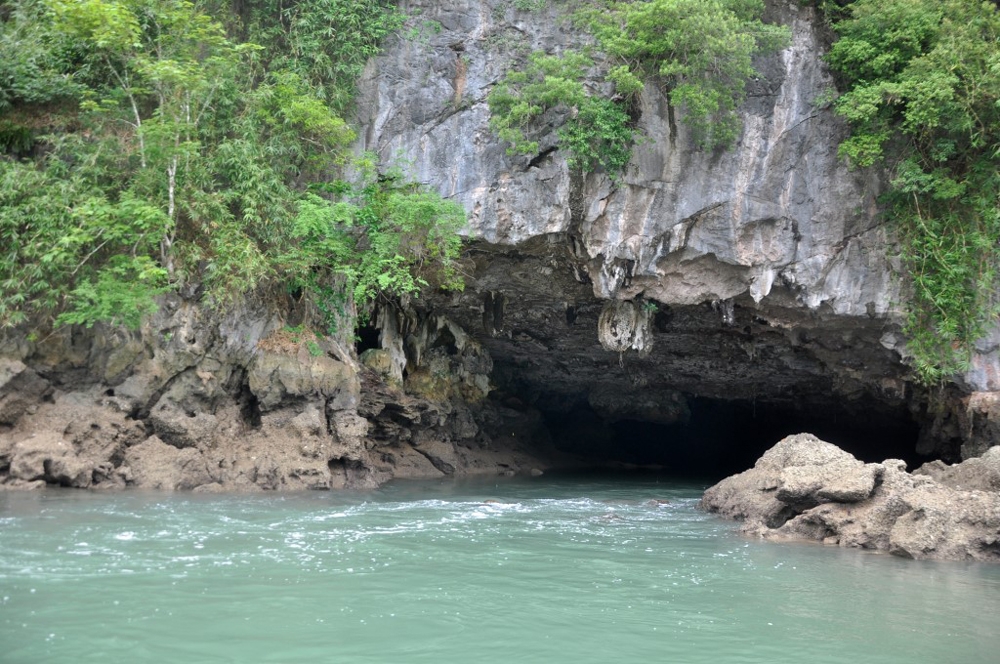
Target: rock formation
(730, 286)
(804, 488)
(246, 402)
(760, 274)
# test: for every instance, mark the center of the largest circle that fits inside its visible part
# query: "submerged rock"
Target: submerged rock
(805, 488)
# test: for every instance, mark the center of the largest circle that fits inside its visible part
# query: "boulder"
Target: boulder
(182, 428)
(46, 456)
(20, 390)
(277, 377)
(799, 472)
(805, 488)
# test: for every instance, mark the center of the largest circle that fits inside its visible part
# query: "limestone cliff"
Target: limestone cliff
(760, 273)
(758, 277)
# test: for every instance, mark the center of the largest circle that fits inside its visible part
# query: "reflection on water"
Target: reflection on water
(542, 570)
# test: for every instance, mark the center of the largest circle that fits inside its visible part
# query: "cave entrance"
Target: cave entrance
(722, 437)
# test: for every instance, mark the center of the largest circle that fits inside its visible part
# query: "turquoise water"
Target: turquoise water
(557, 570)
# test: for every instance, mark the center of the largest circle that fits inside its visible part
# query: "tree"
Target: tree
(700, 50)
(922, 93)
(184, 156)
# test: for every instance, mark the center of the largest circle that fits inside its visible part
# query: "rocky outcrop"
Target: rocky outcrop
(804, 488)
(759, 274)
(757, 277)
(685, 225)
(247, 402)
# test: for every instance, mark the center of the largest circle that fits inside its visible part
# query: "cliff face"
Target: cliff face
(779, 216)
(749, 287)
(757, 274)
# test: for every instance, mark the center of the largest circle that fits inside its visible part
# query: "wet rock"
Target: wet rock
(804, 488)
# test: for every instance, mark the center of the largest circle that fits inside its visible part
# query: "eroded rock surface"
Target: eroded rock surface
(759, 273)
(806, 488)
(249, 403)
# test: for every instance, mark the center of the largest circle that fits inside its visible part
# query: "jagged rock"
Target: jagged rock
(806, 488)
(847, 481)
(760, 272)
(276, 377)
(20, 390)
(408, 463)
(978, 473)
(378, 360)
(182, 428)
(982, 417)
(799, 472)
(47, 456)
(154, 464)
(625, 326)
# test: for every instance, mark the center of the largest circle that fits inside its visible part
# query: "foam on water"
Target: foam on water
(526, 571)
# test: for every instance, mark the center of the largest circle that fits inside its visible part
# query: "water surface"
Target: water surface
(555, 570)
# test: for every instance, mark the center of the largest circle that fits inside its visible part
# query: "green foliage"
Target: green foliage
(386, 237)
(600, 135)
(411, 240)
(832, 10)
(120, 294)
(528, 5)
(596, 132)
(143, 147)
(700, 50)
(923, 89)
(34, 58)
(325, 42)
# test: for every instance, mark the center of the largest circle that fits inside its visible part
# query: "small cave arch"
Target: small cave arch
(366, 338)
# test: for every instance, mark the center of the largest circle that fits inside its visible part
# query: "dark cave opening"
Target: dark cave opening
(724, 437)
(367, 338)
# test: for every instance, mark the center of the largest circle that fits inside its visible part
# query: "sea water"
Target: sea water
(545, 570)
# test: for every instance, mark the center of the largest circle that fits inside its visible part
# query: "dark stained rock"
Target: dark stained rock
(20, 390)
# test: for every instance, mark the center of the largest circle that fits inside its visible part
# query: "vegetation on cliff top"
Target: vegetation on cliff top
(154, 145)
(921, 90)
(922, 96)
(699, 52)
(146, 145)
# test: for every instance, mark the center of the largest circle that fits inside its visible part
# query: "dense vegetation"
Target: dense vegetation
(152, 144)
(922, 95)
(698, 51)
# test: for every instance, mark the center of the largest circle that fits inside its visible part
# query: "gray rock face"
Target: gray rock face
(756, 273)
(978, 473)
(684, 226)
(804, 488)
